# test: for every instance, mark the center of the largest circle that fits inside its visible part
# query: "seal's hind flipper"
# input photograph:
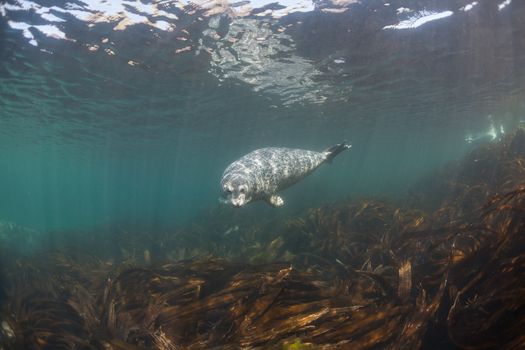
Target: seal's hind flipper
(335, 150)
(275, 201)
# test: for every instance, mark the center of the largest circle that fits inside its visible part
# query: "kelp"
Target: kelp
(202, 305)
(487, 310)
(365, 274)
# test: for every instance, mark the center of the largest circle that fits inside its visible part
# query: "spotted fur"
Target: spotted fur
(259, 175)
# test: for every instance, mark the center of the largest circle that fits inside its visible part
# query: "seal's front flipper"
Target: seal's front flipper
(275, 201)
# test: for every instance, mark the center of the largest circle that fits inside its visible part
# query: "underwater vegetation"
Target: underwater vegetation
(365, 274)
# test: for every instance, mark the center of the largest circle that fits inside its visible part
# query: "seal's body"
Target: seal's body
(259, 175)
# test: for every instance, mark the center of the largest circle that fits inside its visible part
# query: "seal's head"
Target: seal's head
(236, 191)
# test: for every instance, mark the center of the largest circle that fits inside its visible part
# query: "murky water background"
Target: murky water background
(114, 111)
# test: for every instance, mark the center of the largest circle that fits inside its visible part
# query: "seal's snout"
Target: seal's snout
(235, 192)
(238, 201)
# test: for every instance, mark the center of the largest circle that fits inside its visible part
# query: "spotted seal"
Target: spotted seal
(259, 175)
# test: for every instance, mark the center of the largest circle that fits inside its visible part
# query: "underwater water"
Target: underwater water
(133, 110)
(118, 118)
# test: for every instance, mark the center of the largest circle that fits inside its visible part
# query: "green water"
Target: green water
(53, 187)
(136, 131)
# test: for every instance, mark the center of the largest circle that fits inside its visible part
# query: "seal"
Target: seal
(259, 175)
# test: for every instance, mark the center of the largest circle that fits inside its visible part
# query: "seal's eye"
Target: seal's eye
(242, 189)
